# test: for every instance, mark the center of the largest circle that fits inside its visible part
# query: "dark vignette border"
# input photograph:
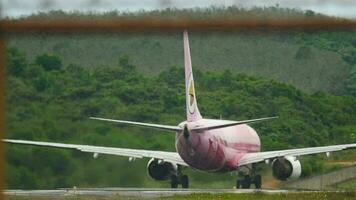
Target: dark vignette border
(144, 24)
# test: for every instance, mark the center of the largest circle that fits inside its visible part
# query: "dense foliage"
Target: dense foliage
(212, 12)
(318, 60)
(49, 101)
(302, 59)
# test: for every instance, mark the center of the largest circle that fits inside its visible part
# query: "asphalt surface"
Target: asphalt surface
(133, 192)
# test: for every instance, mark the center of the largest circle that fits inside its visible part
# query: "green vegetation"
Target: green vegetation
(213, 12)
(51, 101)
(207, 196)
(350, 184)
(264, 196)
(312, 61)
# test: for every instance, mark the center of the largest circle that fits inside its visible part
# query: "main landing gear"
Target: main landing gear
(249, 179)
(179, 179)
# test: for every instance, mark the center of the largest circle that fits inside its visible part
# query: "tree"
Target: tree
(42, 82)
(309, 13)
(16, 62)
(127, 67)
(49, 62)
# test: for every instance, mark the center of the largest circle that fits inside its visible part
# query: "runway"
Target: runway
(131, 192)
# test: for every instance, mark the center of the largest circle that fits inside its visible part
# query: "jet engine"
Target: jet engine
(286, 168)
(160, 170)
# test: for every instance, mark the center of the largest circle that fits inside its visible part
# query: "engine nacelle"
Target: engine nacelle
(160, 170)
(286, 168)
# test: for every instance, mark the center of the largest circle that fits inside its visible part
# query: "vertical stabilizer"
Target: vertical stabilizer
(193, 113)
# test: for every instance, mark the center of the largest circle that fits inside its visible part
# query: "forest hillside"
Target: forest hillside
(318, 60)
(48, 100)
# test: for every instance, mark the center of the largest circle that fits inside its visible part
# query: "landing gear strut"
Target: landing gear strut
(180, 179)
(251, 178)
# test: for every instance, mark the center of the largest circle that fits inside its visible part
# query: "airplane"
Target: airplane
(208, 145)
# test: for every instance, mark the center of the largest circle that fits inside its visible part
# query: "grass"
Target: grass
(350, 184)
(264, 196)
(206, 196)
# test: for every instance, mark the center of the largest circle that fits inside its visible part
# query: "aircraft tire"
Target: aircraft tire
(258, 181)
(174, 181)
(238, 184)
(185, 181)
(246, 183)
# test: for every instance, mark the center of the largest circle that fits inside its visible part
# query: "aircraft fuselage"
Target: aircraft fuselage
(216, 150)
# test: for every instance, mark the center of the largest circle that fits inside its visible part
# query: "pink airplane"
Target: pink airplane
(207, 145)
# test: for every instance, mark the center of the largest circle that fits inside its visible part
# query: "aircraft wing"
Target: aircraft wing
(172, 157)
(250, 158)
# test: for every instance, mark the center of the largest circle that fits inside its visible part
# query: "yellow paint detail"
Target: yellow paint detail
(191, 93)
(191, 89)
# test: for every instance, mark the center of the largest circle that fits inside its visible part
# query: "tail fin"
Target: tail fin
(193, 113)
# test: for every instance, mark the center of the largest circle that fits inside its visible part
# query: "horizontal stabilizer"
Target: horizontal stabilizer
(156, 126)
(224, 124)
